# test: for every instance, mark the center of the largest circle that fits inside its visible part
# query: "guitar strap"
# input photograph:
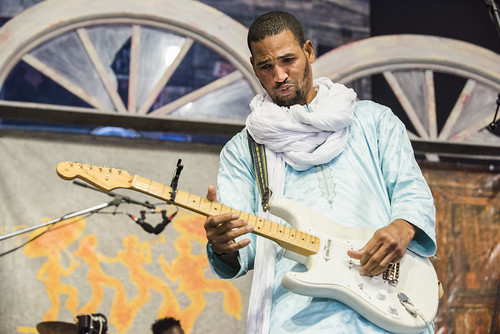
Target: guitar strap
(258, 152)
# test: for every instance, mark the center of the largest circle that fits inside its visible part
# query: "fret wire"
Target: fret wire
(310, 244)
(154, 188)
(264, 225)
(185, 197)
(314, 242)
(307, 238)
(165, 188)
(211, 208)
(302, 238)
(274, 230)
(181, 198)
(252, 221)
(310, 241)
(270, 228)
(279, 231)
(286, 234)
(159, 189)
(245, 216)
(205, 205)
(216, 208)
(225, 209)
(198, 201)
(194, 200)
(259, 223)
(149, 185)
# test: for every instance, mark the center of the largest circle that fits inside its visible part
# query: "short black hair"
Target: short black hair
(274, 23)
(161, 325)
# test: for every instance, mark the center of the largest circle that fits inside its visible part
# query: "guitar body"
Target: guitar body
(332, 274)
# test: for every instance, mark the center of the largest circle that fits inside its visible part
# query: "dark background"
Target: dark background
(466, 20)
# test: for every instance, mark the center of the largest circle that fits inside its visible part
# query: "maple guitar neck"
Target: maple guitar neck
(106, 179)
(287, 237)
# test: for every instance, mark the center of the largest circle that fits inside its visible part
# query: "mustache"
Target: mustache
(283, 83)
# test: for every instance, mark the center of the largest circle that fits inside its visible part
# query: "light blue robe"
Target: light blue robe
(374, 181)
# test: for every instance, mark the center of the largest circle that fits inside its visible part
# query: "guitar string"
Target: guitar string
(158, 189)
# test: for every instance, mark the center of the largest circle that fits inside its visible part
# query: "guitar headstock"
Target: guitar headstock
(104, 178)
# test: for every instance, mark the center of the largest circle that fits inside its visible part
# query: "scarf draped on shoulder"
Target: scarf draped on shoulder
(305, 137)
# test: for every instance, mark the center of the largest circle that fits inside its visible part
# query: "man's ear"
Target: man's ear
(309, 51)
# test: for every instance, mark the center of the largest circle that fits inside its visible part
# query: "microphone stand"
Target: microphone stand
(92, 209)
(494, 11)
(123, 198)
(118, 199)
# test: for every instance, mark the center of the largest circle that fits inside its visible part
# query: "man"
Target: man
(351, 161)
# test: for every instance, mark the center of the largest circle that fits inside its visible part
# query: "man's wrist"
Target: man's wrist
(412, 229)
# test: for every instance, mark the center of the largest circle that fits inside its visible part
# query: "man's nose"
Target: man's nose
(280, 73)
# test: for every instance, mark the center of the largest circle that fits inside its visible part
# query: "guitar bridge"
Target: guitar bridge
(391, 274)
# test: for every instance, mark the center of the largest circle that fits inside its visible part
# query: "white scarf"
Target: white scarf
(302, 138)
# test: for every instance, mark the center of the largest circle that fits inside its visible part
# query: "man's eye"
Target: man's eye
(287, 60)
(265, 67)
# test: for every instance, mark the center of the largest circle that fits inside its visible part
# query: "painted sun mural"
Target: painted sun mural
(184, 275)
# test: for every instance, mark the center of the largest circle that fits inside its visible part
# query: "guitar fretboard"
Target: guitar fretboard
(287, 237)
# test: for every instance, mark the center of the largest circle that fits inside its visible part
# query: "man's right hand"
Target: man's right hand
(222, 230)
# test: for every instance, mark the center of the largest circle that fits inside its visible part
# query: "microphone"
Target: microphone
(148, 227)
(140, 221)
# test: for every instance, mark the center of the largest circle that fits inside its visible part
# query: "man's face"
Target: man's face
(284, 68)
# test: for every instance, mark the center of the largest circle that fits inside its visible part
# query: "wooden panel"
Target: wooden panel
(468, 235)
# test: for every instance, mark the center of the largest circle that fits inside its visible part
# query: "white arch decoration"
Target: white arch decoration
(194, 20)
(408, 63)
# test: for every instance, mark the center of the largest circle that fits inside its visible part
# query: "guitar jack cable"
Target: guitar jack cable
(408, 305)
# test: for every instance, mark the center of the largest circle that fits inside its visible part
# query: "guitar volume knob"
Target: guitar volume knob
(393, 309)
(381, 294)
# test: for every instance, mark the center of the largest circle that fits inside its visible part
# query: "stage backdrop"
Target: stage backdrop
(106, 263)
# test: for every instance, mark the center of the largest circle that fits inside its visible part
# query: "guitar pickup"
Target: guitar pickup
(327, 250)
(391, 273)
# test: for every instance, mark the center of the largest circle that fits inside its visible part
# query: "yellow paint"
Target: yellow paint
(53, 246)
(27, 330)
(188, 271)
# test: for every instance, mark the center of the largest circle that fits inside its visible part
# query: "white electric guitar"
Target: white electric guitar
(403, 299)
